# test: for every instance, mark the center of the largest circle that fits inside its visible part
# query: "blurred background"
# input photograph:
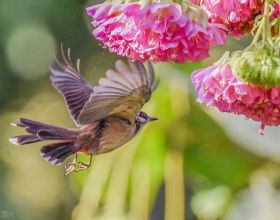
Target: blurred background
(194, 163)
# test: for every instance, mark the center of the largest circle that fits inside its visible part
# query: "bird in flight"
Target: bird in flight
(107, 115)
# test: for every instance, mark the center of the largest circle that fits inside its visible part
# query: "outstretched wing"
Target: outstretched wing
(122, 92)
(70, 83)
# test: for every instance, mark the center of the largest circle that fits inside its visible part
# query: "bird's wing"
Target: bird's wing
(69, 82)
(122, 92)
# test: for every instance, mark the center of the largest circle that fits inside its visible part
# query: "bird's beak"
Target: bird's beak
(152, 119)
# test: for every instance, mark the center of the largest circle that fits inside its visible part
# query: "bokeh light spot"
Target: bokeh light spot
(30, 50)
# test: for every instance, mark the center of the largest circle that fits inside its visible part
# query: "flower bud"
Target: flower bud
(259, 66)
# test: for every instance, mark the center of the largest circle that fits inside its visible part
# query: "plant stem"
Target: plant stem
(223, 60)
(266, 27)
(91, 196)
(174, 186)
(140, 191)
(117, 188)
(257, 36)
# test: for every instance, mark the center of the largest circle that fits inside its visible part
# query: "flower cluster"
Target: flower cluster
(218, 87)
(157, 32)
(237, 15)
(245, 82)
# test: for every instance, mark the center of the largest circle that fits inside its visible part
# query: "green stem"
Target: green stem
(91, 196)
(140, 191)
(223, 60)
(257, 36)
(174, 186)
(266, 27)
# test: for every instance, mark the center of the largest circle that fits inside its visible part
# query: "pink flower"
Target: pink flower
(218, 87)
(158, 32)
(276, 10)
(237, 15)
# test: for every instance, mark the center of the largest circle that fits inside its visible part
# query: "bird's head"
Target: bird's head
(143, 118)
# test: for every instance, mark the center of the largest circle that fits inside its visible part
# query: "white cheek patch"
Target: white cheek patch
(140, 119)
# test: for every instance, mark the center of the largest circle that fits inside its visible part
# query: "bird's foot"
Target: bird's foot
(83, 166)
(76, 166)
(69, 168)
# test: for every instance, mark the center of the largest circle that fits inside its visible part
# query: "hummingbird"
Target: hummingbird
(106, 116)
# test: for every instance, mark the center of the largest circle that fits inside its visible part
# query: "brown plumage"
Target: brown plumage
(105, 135)
(107, 115)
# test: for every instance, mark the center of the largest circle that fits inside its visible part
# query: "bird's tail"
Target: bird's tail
(55, 153)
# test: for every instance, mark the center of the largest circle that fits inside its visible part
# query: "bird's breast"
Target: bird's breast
(106, 136)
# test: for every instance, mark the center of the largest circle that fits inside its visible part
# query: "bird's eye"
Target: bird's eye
(141, 117)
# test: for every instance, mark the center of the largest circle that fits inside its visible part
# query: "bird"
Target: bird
(106, 116)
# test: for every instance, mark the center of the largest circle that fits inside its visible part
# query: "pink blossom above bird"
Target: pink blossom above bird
(237, 15)
(156, 32)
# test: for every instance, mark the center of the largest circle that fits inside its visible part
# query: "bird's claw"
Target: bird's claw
(82, 166)
(76, 166)
(69, 168)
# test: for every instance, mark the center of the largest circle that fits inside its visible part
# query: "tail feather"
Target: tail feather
(50, 150)
(33, 127)
(24, 139)
(39, 132)
(52, 134)
(57, 153)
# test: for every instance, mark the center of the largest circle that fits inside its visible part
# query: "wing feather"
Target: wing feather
(115, 76)
(70, 84)
(127, 74)
(123, 92)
